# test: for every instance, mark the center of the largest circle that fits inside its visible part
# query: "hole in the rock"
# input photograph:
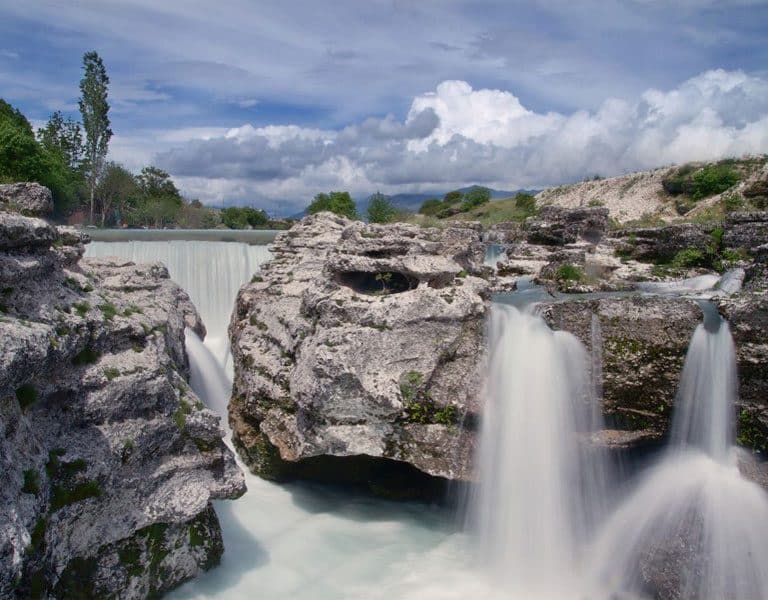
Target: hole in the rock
(383, 282)
(385, 252)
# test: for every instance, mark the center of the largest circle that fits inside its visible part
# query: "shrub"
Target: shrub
(340, 203)
(26, 395)
(430, 207)
(381, 210)
(525, 202)
(569, 273)
(109, 310)
(475, 197)
(690, 257)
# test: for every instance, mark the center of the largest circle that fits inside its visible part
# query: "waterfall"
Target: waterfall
(210, 272)
(493, 253)
(693, 524)
(705, 398)
(538, 491)
(207, 376)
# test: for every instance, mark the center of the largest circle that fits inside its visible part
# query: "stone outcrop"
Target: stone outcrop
(662, 244)
(557, 226)
(748, 231)
(361, 341)
(31, 199)
(109, 460)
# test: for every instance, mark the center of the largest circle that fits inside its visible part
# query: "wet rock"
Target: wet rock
(661, 244)
(644, 341)
(109, 460)
(360, 340)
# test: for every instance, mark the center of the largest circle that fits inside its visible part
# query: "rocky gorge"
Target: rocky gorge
(360, 355)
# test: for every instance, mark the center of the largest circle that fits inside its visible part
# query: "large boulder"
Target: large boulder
(109, 460)
(31, 199)
(747, 231)
(661, 244)
(360, 341)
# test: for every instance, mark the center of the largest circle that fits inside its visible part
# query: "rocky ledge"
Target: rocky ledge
(109, 460)
(360, 342)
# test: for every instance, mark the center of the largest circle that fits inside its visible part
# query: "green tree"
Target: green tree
(340, 203)
(453, 197)
(116, 188)
(381, 209)
(525, 202)
(476, 197)
(158, 201)
(94, 109)
(65, 137)
(430, 206)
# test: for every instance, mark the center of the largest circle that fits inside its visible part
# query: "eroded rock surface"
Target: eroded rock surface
(109, 460)
(361, 340)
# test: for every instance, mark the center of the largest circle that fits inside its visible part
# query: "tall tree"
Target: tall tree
(94, 109)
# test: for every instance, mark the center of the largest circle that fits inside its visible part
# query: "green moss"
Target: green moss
(751, 433)
(31, 482)
(87, 356)
(130, 558)
(257, 279)
(26, 395)
(180, 416)
(462, 274)
(111, 373)
(62, 330)
(37, 536)
(62, 495)
(196, 537)
(53, 464)
(81, 308)
(131, 310)
(569, 273)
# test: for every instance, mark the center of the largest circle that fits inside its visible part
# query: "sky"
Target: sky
(265, 103)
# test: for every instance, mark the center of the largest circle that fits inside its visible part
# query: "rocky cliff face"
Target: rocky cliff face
(360, 340)
(109, 460)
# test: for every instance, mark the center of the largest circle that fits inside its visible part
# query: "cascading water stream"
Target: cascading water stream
(540, 487)
(694, 524)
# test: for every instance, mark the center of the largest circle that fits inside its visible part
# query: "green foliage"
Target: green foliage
(81, 308)
(381, 210)
(750, 432)
(94, 110)
(430, 207)
(37, 536)
(111, 373)
(62, 495)
(454, 197)
(732, 202)
(245, 217)
(26, 395)
(87, 356)
(384, 279)
(31, 482)
(109, 310)
(691, 257)
(702, 182)
(475, 197)
(569, 273)
(525, 202)
(115, 190)
(340, 203)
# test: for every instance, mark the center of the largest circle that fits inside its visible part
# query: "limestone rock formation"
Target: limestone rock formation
(31, 199)
(109, 460)
(644, 341)
(361, 340)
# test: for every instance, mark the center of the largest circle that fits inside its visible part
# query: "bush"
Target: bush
(702, 182)
(475, 197)
(430, 207)
(691, 257)
(526, 202)
(569, 273)
(381, 210)
(340, 203)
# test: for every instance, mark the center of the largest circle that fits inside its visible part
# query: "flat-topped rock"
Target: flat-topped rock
(31, 199)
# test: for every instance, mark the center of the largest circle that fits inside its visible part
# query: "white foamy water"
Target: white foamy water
(541, 491)
(693, 513)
